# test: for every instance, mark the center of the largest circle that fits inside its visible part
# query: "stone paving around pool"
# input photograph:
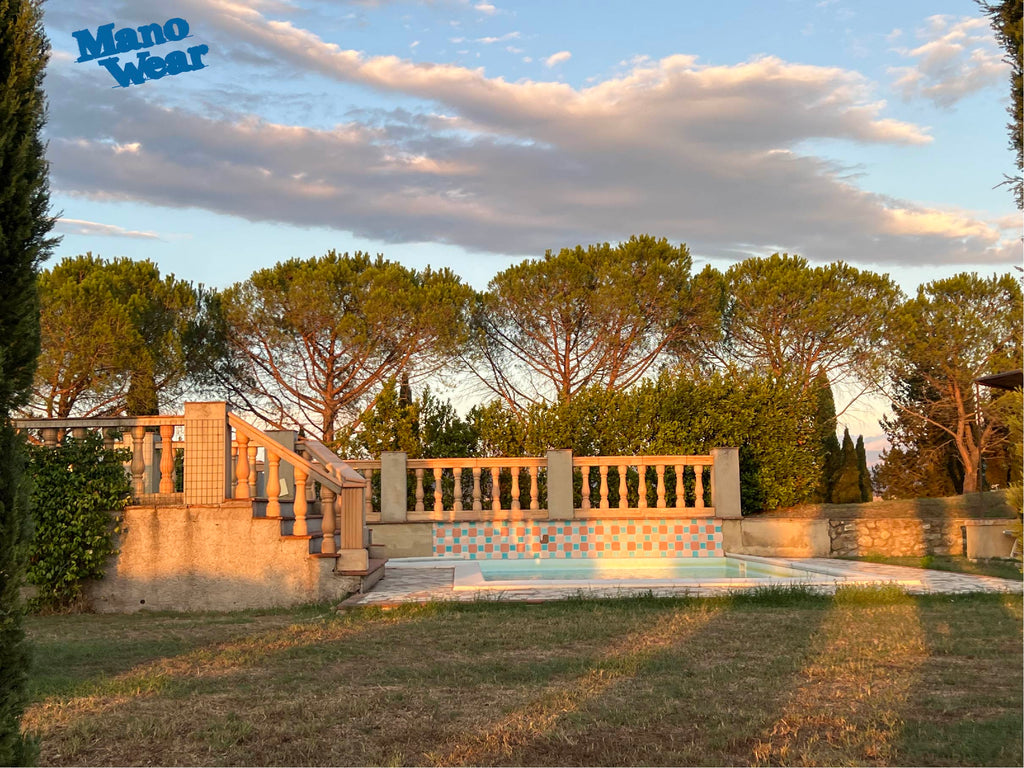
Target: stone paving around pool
(406, 584)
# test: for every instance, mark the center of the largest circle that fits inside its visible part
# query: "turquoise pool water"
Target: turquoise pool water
(608, 569)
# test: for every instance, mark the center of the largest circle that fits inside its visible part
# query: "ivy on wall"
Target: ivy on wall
(80, 489)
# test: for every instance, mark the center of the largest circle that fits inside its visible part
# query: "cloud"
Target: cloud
(502, 38)
(557, 58)
(485, 8)
(957, 58)
(706, 154)
(82, 227)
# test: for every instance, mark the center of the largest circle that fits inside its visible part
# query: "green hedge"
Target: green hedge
(80, 489)
(770, 422)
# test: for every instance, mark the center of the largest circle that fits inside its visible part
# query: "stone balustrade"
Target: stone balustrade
(557, 486)
(340, 502)
(643, 482)
(156, 442)
(209, 455)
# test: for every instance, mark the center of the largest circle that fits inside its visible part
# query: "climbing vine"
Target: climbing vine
(80, 489)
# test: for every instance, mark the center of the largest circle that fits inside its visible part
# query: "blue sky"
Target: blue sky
(474, 133)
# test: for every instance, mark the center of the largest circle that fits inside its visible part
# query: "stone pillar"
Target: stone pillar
(725, 482)
(207, 453)
(350, 517)
(560, 505)
(393, 474)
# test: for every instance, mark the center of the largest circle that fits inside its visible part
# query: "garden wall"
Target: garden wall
(853, 537)
(212, 558)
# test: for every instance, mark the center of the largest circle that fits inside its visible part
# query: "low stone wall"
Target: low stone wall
(211, 558)
(854, 537)
(402, 539)
(776, 537)
(896, 537)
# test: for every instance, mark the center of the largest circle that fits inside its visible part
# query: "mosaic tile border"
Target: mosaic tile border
(695, 537)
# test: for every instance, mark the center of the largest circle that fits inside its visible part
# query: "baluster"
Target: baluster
(78, 433)
(623, 488)
(242, 471)
(138, 461)
(534, 489)
(457, 500)
(273, 485)
(108, 438)
(604, 486)
(660, 469)
(496, 489)
(419, 490)
(234, 465)
(327, 525)
(477, 506)
(301, 528)
(698, 472)
(252, 470)
(516, 506)
(641, 486)
(438, 500)
(680, 486)
(584, 488)
(50, 437)
(166, 458)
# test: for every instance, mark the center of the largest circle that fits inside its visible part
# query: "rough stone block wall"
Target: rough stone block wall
(895, 537)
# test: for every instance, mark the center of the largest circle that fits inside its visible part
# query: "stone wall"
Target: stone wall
(215, 557)
(896, 537)
(855, 537)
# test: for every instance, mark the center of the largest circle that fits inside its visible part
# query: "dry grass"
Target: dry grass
(871, 678)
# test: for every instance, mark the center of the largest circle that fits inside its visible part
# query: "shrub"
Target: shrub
(80, 490)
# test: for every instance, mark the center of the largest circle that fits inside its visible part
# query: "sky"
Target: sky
(476, 133)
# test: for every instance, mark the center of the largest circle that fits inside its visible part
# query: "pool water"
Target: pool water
(632, 569)
(740, 571)
(614, 576)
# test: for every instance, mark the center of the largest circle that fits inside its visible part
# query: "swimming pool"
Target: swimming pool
(618, 569)
(627, 573)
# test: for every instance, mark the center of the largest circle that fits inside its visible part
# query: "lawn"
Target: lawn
(867, 677)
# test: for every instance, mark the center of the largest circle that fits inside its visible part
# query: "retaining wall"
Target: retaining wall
(852, 537)
(212, 558)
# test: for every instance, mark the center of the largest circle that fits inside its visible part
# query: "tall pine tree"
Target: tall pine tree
(24, 227)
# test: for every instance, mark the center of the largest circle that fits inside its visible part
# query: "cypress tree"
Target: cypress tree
(829, 453)
(24, 227)
(862, 470)
(846, 489)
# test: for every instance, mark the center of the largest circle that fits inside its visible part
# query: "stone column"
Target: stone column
(393, 474)
(725, 482)
(207, 453)
(560, 505)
